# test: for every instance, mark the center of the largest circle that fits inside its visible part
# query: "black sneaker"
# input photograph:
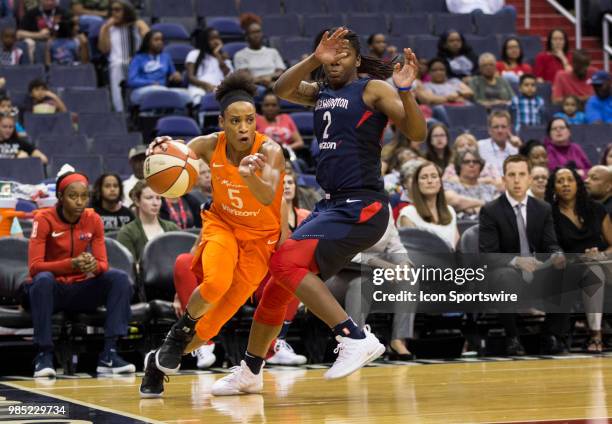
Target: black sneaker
(43, 365)
(152, 385)
(514, 347)
(112, 363)
(168, 356)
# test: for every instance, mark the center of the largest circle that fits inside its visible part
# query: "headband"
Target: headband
(72, 178)
(235, 96)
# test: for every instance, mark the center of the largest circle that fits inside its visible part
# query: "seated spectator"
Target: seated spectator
(184, 211)
(463, 143)
(147, 223)
(598, 108)
(278, 126)
(539, 179)
(39, 23)
(136, 156)
(490, 90)
(499, 233)
(429, 210)
(512, 67)
(442, 90)
(106, 201)
(378, 47)
(207, 65)
(90, 7)
(556, 57)
(501, 143)
(571, 111)
(14, 147)
(606, 157)
(535, 152)
(119, 39)
(561, 150)
(7, 108)
(599, 185)
(528, 108)
(582, 227)
(152, 69)
(295, 214)
(468, 166)
(69, 272)
(399, 157)
(487, 7)
(459, 55)
(10, 54)
(202, 191)
(66, 46)
(403, 198)
(436, 143)
(575, 81)
(264, 63)
(43, 100)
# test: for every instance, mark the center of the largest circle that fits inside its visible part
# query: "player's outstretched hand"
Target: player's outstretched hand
(158, 145)
(250, 164)
(404, 76)
(333, 47)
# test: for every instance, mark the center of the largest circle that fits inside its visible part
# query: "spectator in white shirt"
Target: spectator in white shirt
(488, 7)
(502, 143)
(264, 63)
(207, 65)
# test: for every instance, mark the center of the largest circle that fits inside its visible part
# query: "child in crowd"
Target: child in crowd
(43, 100)
(66, 46)
(571, 111)
(7, 109)
(528, 108)
(9, 53)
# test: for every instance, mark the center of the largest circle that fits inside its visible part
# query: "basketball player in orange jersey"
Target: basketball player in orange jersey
(240, 231)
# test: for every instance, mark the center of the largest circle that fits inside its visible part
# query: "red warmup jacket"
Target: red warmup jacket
(54, 242)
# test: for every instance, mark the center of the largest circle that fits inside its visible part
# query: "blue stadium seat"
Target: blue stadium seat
(261, 8)
(117, 164)
(90, 165)
(209, 105)
(190, 23)
(26, 171)
(314, 24)
(305, 7)
(115, 144)
(410, 24)
(18, 77)
(427, 6)
(466, 116)
(281, 25)
(386, 6)
(178, 52)
(47, 124)
(7, 22)
(595, 135)
(339, 7)
(228, 27)
(532, 45)
(426, 46)
(52, 145)
(161, 8)
(292, 49)
(171, 31)
(233, 47)
(24, 47)
(446, 21)
(73, 76)
(19, 98)
(483, 44)
(304, 122)
(93, 124)
(401, 42)
(532, 133)
(163, 102)
(87, 100)
(289, 107)
(494, 24)
(182, 126)
(367, 23)
(206, 8)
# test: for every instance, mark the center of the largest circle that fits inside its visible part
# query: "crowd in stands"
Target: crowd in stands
(483, 106)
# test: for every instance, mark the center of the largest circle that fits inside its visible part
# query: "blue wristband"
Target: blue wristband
(405, 88)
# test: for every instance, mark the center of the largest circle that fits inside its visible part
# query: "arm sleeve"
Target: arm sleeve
(124, 238)
(549, 236)
(37, 252)
(488, 240)
(278, 61)
(98, 247)
(192, 56)
(26, 146)
(135, 80)
(507, 92)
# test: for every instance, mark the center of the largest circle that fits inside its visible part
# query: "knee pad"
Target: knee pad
(272, 307)
(290, 264)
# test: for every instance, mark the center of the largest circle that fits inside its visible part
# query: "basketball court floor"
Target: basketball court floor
(571, 389)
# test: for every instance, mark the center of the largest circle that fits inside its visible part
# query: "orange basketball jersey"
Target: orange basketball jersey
(234, 203)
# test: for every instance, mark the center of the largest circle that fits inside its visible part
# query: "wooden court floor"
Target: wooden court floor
(571, 390)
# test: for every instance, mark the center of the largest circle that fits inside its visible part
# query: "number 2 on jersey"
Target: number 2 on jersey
(326, 118)
(234, 198)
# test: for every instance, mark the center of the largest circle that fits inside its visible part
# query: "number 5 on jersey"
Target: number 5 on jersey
(234, 198)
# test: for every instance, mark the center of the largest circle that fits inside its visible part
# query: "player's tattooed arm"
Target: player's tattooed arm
(261, 172)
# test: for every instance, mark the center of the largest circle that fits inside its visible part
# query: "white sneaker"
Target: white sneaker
(240, 381)
(354, 354)
(284, 355)
(205, 356)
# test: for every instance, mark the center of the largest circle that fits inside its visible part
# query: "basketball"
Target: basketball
(174, 172)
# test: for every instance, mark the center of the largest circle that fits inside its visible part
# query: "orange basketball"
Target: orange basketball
(174, 172)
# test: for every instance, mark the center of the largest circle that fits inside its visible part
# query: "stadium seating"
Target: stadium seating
(444, 21)
(87, 100)
(115, 144)
(181, 126)
(205, 8)
(385, 6)
(314, 24)
(466, 116)
(305, 7)
(189, 23)
(52, 145)
(73, 76)
(93, 124)
(228, 27)
(90, 165)
(26, 171)
(410, 24)
(172, 31)
(493, 24)
(47, 124)
(427, 6)
(18, 77)
(163, 8)
(281, 25)
(178, 52)
(367, 23)
(232, 48)
(261, 8)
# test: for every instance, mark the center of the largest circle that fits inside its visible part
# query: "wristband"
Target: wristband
(400, 89)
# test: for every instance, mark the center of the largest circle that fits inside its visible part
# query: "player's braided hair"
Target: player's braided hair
(374, 67)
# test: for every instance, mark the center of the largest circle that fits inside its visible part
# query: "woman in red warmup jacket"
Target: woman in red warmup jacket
(69, 271)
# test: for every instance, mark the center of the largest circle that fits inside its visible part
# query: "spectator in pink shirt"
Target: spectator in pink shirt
(278, 126)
